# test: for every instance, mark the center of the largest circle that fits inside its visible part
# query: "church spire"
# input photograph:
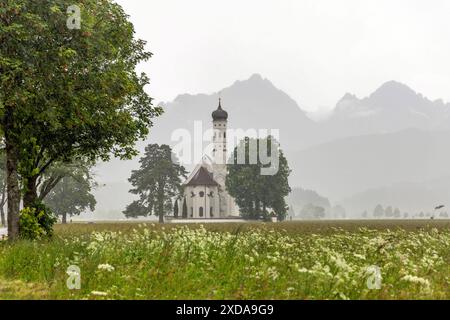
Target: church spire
(220, 114)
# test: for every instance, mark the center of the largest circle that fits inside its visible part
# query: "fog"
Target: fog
(358, 90)
(314, 50)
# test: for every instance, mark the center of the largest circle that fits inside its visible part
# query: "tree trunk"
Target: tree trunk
(251, 210)
(257, 208)
(12, 182)
(161, 201)
(2, 205)
(30, 196)
(161, 209)
(64, 218)
(2, 216)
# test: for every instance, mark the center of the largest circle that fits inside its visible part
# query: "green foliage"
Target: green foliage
(156, 182)
(46, 217)
(29, 224)
(36, 222)
(254, 192)
(91, 100)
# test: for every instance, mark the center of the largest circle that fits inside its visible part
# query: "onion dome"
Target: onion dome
(220, 114)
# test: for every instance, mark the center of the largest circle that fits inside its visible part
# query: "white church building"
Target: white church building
(204, 190)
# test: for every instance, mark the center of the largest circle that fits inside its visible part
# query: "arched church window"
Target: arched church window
(192, 212)
(211, 212)
(200, 212)
(224, 134)
(202, 194)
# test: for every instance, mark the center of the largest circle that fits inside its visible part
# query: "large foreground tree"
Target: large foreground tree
(255, 192)
(68, 90)
(156, 182)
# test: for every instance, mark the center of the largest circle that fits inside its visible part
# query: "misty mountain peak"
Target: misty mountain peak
(255, 77)
(348, 97)
(347, 103)
(393, 89)
(392, 107)
(255, 81)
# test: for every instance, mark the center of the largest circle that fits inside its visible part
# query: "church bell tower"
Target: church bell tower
(220, 121)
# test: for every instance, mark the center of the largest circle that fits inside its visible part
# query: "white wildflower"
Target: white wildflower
(359, 256)
(417, 280)
(105, 267)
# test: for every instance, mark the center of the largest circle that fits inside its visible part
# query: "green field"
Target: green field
(293, 260)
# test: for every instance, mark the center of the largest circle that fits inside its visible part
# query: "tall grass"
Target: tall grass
(253, 262)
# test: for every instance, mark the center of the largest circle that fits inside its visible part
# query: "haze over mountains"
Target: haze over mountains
(253, 103)
(394, 139)
(392, 107)
(347, 166)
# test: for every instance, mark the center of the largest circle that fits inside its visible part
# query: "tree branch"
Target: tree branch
(49, 185)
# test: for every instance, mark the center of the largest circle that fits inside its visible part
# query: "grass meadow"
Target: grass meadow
(292, 260)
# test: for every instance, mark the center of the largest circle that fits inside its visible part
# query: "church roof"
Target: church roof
(206, 162)
(220, 114)
(202, 178)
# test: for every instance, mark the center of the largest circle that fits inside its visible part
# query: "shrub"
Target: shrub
(36, 222)
(29, 224)
(46, 218)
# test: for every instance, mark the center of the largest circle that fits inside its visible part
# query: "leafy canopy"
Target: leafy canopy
(254, 192)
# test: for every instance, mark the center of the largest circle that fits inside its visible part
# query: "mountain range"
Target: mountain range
(251, 104)
(392, 107)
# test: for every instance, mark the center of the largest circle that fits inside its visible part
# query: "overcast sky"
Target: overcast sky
(314, 50)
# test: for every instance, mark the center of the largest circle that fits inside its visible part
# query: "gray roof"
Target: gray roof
(202, 178)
